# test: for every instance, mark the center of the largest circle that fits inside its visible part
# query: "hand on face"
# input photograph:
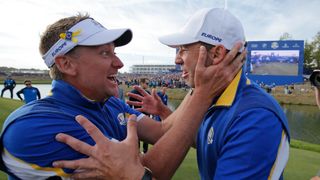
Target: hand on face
(106, 159)
(213, 79)
(150, 104)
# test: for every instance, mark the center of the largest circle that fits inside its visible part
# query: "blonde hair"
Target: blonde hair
(51, 36)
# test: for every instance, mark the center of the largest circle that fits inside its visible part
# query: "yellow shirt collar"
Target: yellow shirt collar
(229, 94)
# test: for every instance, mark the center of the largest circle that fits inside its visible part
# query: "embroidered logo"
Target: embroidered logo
(70, 36)
(58, 49)
(212, 37)
(210, 136)
(122, 120)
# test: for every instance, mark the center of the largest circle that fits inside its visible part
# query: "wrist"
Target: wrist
(164, 111)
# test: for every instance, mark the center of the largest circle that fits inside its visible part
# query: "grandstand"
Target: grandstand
(152, 68)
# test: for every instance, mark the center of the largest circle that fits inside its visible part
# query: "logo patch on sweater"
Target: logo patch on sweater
(122, 120)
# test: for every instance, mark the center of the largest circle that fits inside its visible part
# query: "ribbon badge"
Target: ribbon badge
(70, 36)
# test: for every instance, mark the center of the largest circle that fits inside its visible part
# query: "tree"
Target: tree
(285, 36)
(316, 49)
(308, 49)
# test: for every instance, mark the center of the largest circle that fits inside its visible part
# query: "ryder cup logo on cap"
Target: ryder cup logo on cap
(210, 25)
(86, 33)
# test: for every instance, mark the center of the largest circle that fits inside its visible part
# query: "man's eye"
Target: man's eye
(183, 51)
(106, 53)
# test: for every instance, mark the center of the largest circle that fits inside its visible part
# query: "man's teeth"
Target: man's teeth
(113, 78)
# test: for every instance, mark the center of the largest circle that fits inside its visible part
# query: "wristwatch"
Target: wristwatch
(147, 174)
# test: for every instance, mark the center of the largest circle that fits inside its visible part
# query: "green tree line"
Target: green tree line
(311, 50)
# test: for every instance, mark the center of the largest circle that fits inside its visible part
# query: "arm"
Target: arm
(38, 94)
(151, 131)
(18, 94)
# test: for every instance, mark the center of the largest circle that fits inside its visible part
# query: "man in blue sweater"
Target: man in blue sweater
(9, 84)
(80, 53)
(29, 92)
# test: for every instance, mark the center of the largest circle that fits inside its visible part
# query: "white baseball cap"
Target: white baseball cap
(210, 25)
(87, 32)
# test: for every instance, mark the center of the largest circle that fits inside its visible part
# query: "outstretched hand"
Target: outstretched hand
(106, 159)
(214, 78)
(149, 103)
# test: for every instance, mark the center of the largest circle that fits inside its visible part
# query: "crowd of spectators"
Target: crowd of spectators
(170, 80)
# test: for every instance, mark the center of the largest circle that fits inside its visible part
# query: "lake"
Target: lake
(304, 121)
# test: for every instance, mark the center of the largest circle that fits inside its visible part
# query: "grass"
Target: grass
(6, 107)
(305, 145)
(303, 164)
(304, 161)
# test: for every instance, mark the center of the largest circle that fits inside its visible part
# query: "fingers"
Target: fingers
(135, 96)
(74, 164)
(233, 53)
(132, 130)
(92, 130)
(141, 91)
(135, 103)
(88, 174)
(202, 58)
(238, 62)
(74, 143)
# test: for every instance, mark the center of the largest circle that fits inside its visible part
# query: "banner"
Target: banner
(275, 62)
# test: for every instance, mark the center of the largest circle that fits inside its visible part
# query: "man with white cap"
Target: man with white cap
(244, 134)
(80, 53)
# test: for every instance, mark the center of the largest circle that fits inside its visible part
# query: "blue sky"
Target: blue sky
(23, 21)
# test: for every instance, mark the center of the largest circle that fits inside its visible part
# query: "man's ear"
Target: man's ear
(216, 54)
(65, 65)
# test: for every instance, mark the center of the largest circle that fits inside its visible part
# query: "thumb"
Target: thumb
(132, 129)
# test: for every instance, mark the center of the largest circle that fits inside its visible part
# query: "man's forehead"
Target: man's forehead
(189, 45)
(109, 45)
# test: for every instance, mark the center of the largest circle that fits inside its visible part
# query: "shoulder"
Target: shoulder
(31, 137)
(34, 88)
(38, 117)
(41, 108)
(253, 96)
